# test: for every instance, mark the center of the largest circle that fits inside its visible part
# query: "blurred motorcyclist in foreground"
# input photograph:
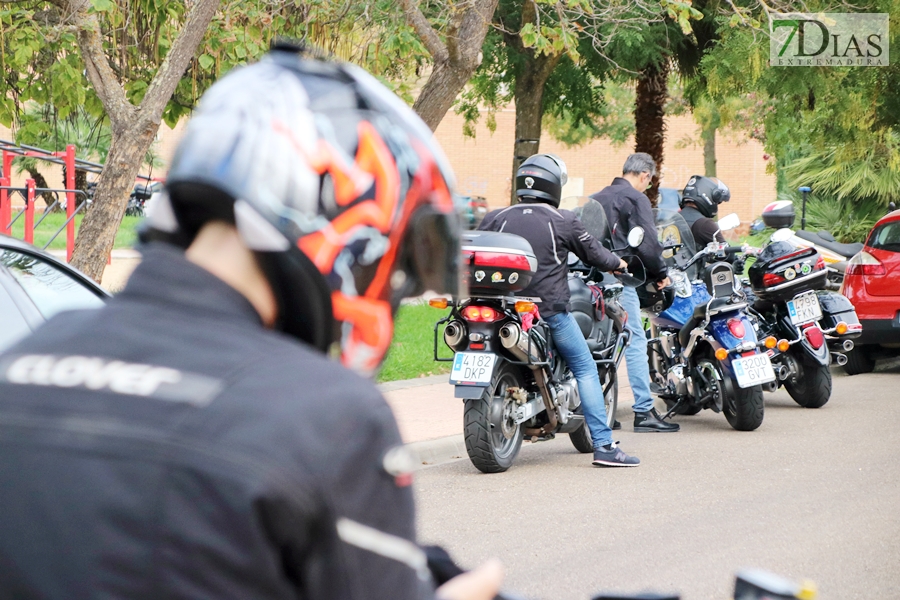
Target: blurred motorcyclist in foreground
(192, 439)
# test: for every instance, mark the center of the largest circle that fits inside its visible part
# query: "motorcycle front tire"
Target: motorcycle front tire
(489, 448)
(811, 387)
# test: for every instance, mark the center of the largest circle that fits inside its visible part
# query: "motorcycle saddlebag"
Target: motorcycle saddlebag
(780, 278)
(497, 264)
(836, 308)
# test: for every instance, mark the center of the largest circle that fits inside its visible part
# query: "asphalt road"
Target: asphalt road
(812, 494)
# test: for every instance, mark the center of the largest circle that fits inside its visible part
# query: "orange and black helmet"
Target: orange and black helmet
(337, 186)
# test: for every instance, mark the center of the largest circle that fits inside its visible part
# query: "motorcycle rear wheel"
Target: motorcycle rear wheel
(811, 387)
(743, 407)
(493, 444)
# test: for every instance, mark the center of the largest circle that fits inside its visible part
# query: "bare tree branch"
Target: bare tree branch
(424, 30)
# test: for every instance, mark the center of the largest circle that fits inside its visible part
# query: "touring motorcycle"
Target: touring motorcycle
(513, 382)
(703, 351)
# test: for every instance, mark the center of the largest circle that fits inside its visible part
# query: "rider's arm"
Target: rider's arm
(650, 249)
(587, 248)
(707, 230)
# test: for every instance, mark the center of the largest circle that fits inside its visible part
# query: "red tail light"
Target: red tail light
(814, 336)
(865, 264)
(770, 279)
(502, 260)
(736, 327)
(482, 314)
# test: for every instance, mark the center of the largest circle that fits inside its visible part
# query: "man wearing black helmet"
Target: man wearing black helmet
(627, 207)
(700, 202)
(192, 439)
(553, 233)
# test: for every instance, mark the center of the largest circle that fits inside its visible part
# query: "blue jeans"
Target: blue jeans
(636, 352)
(571, 344)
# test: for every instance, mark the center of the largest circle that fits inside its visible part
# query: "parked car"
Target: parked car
(872, 283)
(35, 286)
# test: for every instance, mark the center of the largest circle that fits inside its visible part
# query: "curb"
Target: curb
(402, 384)
(441, 450)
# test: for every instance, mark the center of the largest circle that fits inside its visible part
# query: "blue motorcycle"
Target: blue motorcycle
(703, 350)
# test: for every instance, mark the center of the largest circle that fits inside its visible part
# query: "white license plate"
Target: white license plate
(804, 308)
(753, 370)
(472, 368)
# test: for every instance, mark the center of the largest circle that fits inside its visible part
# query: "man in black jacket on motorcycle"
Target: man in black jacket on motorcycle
(700, 202)
(627, 207)
(553, 233)
(192, 439)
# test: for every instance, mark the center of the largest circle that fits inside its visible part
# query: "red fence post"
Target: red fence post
(70, 200)
(5, 201)
(29, 211)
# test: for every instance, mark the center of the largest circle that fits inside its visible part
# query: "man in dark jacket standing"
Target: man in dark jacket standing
(627, 207)
(553, 233)
(192, 439)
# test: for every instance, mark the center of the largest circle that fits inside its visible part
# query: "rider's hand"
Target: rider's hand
(482, 583)
(664, 283)
(623, 266)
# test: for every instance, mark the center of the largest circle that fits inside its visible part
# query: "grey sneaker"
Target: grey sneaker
(612, 456)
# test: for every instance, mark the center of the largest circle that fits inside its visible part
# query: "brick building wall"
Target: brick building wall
(483, 165)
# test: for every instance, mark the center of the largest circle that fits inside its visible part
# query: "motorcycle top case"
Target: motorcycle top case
(779, 274)
(497, 264)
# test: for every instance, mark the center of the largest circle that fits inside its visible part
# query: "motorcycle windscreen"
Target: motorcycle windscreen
(672, 229)
(593, 217)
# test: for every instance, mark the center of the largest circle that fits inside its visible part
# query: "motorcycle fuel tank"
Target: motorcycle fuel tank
(682, 308)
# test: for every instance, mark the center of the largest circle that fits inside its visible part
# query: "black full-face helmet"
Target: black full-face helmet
(707, 193)
(333, 182)
(541, 179)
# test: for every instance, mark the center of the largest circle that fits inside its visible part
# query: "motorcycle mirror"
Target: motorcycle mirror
(635, 237)
(782, 235)
(729, 222)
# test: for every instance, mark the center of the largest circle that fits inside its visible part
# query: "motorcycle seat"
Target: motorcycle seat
(684, 335)
(826, 240)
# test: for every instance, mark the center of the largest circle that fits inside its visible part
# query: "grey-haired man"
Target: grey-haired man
(627, 207)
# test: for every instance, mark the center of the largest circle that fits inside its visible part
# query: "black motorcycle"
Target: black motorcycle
(514, 384)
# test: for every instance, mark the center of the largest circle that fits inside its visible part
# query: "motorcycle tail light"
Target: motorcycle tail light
(771, 279)
(865, 264)
(481, 314)
(814, 336)
(736, 327)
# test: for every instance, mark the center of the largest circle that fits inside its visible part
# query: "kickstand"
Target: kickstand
(672, 410)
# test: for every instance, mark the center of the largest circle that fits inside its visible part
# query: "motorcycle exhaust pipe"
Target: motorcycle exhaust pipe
(847, 345)
(512, 338)
(453, 333)
(782, 372)
(841, 359)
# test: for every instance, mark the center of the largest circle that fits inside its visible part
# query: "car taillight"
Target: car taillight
(865, 264)
(814, 336)
(770, 279)
(736, 327)
(482, 314)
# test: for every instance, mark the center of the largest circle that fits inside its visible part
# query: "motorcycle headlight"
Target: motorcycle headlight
(681, 284)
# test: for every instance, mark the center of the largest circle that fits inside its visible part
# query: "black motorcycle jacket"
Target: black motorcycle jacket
(704, 229)
(627, 208)
(552, 233)
(168, 446)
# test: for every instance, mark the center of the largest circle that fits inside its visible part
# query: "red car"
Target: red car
(872, 283)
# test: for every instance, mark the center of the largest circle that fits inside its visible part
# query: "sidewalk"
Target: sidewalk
(431, 419)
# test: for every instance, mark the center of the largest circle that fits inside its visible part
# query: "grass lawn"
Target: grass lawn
(412, 352)
(125, 237)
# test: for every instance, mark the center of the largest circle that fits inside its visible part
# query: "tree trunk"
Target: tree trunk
(455, 59)
(649, 118)
(529, 98)
(708, 135)
(132, 127)
(97, 233)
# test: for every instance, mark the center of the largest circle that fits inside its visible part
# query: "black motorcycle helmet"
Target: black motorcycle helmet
(334, 183)
(654, 299)
(541, 179)
(707, 193)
